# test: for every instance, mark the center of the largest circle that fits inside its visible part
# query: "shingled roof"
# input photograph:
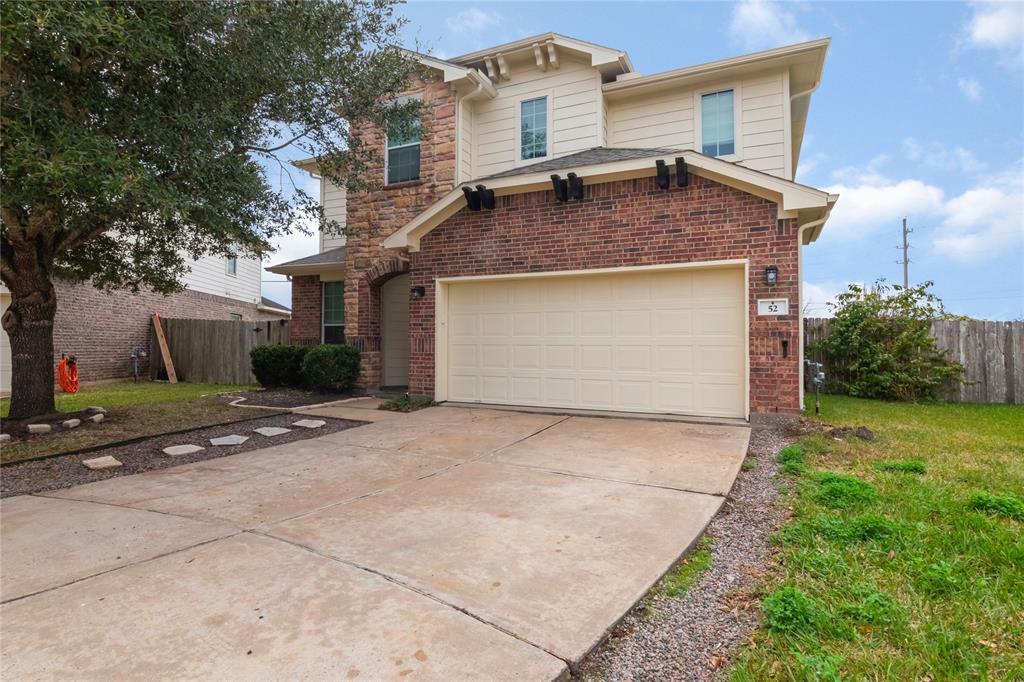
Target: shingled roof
(330, 259)
(588, 157)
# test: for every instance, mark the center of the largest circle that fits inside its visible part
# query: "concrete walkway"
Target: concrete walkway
(447, 544)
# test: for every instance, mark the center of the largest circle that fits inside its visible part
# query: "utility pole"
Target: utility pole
(906, 255)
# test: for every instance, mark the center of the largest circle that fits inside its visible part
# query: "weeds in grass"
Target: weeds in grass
(1008, 505)
(905, 466)
(860, 528)
(749, 464)
(871, 607)
(819, 667)
(689, 569)
(792, 461)
(842, 491)
(939, 578)
(787, 609)
(406, 403)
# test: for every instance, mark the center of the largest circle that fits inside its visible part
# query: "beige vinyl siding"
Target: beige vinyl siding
(574, 89)
(209, 275)
(466, 141)
(333, 199)
(667, 119)
(763, 124)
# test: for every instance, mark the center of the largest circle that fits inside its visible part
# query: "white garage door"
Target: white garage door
(653, 341)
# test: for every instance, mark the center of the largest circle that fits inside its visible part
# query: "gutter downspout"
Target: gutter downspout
(800, 289)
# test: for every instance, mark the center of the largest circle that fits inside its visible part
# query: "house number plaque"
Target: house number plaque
(773, 306)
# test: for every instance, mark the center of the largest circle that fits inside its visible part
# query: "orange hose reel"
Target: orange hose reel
(67, 374)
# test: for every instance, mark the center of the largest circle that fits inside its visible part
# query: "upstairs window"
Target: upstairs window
(717, 124)
(231, 264)
(533, 141)
(334, 312)
(403, 155)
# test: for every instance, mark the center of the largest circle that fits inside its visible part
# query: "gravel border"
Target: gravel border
(693, 636)
(64, 471)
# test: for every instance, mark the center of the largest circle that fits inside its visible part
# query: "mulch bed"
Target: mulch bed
(288, 397)
(65, 471)
(18, 428)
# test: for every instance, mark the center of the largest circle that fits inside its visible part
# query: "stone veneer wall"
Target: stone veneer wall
(626, 223)
(101, 328)
(374, 215)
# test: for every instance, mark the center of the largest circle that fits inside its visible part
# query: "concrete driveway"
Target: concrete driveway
(448, 544)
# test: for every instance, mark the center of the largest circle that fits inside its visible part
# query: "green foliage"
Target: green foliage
(841, 491)
(939, 578)
(905, 466)
(819, 667)
(787, 609)
(689, 569)
(871, 607)
(880, 339)
(860, 528)
(792, 460)
(330, 368)
(406, 403)
(1008, 505)
(278, 365)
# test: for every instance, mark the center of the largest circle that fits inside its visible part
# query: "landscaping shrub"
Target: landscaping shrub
(331, 368)
(1008, 505)
(906, 466)
(842, 491)
(787, 609)
(278, 365)
(881, 338)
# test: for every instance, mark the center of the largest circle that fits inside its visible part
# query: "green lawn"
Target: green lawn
(134, 409)
(904, 559)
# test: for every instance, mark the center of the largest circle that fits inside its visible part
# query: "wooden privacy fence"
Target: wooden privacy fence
(215, 351)
(992, 354)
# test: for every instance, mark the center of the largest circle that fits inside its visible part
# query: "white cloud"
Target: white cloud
(877, 202)
(984, 221)
(761, 24)
(472, 20)
(816, 297)
(998, 26)
(938, 156)
(971, 88)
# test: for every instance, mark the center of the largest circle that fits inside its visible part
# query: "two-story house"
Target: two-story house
(569, 233)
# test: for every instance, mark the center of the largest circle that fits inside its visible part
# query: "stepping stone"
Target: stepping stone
(96, 408)
(97, 463)
(71, 423)
(39, 428)
(310, 423)
(4, 437)
(176, 450)
(229, 440)
(271, 431)
(97, 418)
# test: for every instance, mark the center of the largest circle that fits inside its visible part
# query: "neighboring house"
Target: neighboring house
(102, 329)
(568, 233)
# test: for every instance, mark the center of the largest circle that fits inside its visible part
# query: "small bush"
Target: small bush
(277, 365)
(406, 403)
(906, 466)
(1008, 505)
(790, 610)
(331, 368)
(842, 491)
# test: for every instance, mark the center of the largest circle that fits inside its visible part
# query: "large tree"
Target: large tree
(136, 135)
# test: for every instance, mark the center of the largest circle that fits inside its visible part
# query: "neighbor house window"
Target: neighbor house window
(403, 160)
(334, 312)
(234, 317)
(717, 123)
(231, 264)
(533, 140)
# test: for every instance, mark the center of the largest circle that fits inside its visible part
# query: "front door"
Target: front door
(394, 329)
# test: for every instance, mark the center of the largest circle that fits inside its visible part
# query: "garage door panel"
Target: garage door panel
(667, 341)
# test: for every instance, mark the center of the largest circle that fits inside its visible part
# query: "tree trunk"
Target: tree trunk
(29, 324)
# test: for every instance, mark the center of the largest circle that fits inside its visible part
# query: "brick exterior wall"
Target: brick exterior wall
(101, 329)
(627, 223)
(307, 308)
(376, 214)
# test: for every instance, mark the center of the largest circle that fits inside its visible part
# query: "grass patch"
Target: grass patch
(134, 410)
(889, 575)
(903, 466)
(792, 461)
(689, 569)
(406, 403)
(1008, 505)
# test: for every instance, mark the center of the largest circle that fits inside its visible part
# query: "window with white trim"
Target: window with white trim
(533, 117)
(231, 264)
(403, 155)
(334, 312)
(717, 123)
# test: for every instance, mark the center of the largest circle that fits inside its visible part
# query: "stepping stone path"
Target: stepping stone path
(310, 423)
(229, 440)
(97, 418)
(39, 428)
(272, 431)
(71, 423)
(176, 450)
(97, 463)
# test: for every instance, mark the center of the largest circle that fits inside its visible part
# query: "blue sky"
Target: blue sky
(920, 114)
